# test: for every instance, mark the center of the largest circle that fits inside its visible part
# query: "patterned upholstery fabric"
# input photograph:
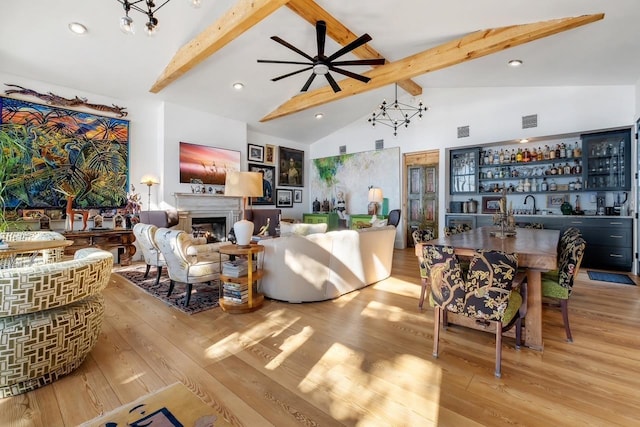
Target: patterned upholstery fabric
(50, 318)
(535, 225)
(48, 255)
(187, 262)
(145, 236)
(423, 235)
(447, 283)
(489, 285)
(460, 228)
(559, 284)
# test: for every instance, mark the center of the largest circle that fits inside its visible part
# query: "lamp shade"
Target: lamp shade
(149, 180)
(375, 195)
(243, 184)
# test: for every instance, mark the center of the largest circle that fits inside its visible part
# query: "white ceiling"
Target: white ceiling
(36, 44)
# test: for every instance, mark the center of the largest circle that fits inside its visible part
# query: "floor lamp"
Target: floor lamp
(243, 184)
(149, 180)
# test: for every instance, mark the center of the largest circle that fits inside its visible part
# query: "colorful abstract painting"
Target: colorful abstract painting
(47, 151)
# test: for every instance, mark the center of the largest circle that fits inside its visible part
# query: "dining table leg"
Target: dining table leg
(533, 319)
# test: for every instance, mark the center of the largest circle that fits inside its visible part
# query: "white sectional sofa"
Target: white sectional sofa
(323, 266)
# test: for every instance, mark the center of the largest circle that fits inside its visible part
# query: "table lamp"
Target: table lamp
(243, 184)
(375, 197)
(149, 181)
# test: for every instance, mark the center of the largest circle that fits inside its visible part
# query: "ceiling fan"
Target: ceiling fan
(322, 64)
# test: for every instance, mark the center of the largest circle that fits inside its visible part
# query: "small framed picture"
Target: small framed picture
(284, 198)
(556, 200)
(255, 153)
(491, 204)
(270, 154)
(297, 196)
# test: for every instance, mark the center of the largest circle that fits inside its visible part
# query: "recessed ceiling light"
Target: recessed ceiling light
(77, 28)
(524, 141)
(319, 115)
(238, 86)
(515, 63)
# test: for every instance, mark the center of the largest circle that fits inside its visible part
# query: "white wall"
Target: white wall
(494, 115)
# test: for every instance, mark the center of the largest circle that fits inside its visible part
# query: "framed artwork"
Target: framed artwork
(268, 183)
(491, 204)
(255, 153)
(202, 164)
(297, 196)
(291, 171)
(284, 198)
(270, 154)
(556, 200)
(48, 150)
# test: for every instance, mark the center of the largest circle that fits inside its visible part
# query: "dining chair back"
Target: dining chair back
(559, 284)
(487, 295)
(394, 217)
(455, 229)
(420, 236)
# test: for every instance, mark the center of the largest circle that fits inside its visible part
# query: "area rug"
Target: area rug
(171, 406)
(610, 277)
(203, 296)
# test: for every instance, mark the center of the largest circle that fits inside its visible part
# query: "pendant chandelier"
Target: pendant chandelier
(148, 8)
(396, 114)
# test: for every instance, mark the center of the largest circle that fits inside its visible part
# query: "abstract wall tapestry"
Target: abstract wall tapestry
(49, 150)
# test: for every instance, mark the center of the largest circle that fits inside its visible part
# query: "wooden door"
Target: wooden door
(421, 192)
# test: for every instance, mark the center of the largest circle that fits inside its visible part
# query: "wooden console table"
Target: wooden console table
(103, 239)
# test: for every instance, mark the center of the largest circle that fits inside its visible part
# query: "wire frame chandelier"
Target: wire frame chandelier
(396, 114)
(148, 8)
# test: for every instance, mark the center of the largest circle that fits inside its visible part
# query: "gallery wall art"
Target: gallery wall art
(48, 149)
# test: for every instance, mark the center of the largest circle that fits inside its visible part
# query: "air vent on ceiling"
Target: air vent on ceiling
(379, 144)
(530, 121)
(463, 131)
(343, 149)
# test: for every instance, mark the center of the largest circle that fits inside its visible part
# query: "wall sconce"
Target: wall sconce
(149, 180)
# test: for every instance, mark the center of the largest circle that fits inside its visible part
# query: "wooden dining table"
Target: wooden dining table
(537, 252)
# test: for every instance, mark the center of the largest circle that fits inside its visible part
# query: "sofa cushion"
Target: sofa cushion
(301, 229)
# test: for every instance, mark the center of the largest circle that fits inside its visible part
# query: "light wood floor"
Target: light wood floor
(361, 360)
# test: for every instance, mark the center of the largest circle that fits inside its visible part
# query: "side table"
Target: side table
(255, 299)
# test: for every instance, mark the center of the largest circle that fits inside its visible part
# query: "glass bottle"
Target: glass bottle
(567, 169)
(562, 152)
(552, 185)
(577, 151)
(496, 157)
(526, 156)
(553, 170)
(577, 208)
(519, 155)
(557, 151)
(546, 154)
(501, 157)
(540, 154)
(513, 155)
(552, 153)
(544, 186)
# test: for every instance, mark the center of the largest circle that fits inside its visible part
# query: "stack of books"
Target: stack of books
(235, 293)
(236, 268)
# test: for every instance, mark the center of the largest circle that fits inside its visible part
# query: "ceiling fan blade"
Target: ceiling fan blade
(269, 61)
(350, 74)
(308, 83)
(290, 74)
(333, 83)
(321, 35)
(292, 47)
(379, 61)
(348, 48)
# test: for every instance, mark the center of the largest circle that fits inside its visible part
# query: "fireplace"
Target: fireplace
(213, 228)
(211, 213)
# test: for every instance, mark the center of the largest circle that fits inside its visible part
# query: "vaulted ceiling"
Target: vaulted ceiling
(198, 54)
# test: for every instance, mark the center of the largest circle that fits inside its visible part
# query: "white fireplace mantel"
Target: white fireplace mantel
(193, 205)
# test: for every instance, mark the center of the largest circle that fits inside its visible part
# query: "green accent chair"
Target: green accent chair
(491, 294)
(558, 284)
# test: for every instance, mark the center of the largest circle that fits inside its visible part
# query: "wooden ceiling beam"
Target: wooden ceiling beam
(471, 46)
(241, 17)
(312, 12)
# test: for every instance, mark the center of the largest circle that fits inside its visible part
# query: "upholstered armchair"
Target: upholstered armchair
(50, 318)
(47, 255)
(145, 238)
(186, 261)
(488, 294)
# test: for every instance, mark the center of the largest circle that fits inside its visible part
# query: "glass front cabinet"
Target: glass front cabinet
(608, 160)
(464, 171)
